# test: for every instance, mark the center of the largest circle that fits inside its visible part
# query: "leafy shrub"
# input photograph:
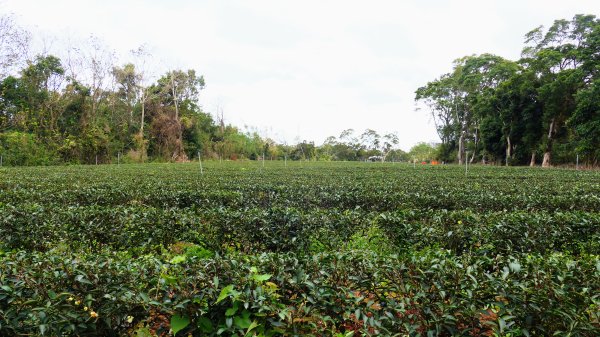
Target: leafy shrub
(23, 149)
(372, 239)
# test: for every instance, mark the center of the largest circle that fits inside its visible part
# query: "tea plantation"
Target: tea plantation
(303, 249)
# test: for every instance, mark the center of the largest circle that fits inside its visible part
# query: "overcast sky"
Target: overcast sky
(306, 70)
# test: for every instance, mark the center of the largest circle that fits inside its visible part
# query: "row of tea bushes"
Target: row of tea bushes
(423, 293)
(322, 249)
(380, 188)
(40, 227)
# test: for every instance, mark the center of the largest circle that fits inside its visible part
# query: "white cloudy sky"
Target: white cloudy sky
(306, 69)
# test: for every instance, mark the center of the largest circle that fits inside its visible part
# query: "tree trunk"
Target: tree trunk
(547, 153)
(532, 161)
(508, 150)
(546, 160)
(175, 99)
(178, 154)
(461, 148)
(476, 144)
(143, 112)
(142, 144)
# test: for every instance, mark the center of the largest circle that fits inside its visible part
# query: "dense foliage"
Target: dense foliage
(93, 111)
(87, 106)
(320, 249)
(541, 108)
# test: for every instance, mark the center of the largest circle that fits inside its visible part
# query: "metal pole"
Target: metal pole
(577, 162)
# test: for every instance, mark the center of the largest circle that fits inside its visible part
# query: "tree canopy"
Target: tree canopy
(541, 108)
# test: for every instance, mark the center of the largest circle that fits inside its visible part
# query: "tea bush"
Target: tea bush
(307, 249)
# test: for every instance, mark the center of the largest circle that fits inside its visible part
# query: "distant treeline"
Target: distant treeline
(86, 108)
(543, 108)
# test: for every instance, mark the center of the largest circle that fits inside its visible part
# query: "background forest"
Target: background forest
(86, 107)
(544, 107)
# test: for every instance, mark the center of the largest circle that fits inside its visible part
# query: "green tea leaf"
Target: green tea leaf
(261, 278)
(178, 259)
(224, 293)
(205, 325)
(179, 323)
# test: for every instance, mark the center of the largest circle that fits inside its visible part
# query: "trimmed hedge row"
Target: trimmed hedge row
(254, 230)
(378, 188)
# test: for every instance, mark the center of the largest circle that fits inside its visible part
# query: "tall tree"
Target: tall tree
(556, 56)
(175, 95)
(585, 120)
(124, 103)
(14, 44)
(41, 79)
(389, 144)
(443, 100)
(457, 100)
